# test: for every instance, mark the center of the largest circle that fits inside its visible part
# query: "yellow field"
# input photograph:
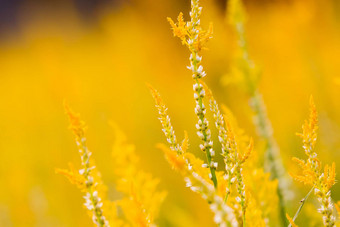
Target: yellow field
(101, 68)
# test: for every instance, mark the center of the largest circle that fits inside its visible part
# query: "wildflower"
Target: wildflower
(321, 179)
(141, 200)
(261, 198)
(223, 213)
(180, 30)
(194, 171)
(73, 176)
(247, 75)
(93, 202)
(197, 174)
(195, 38)
(165, 120)
(191, 33)
(230, 151)
(309, 131)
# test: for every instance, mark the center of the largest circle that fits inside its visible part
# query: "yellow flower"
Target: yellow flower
(192, 34)
(93, 199)
(312, 173)
(246, 74)
(76, 124)
(223, 213)
(73, 176)
(233, 157)
(165, 120)
(309, 130)
(179, 29)
(142, 200)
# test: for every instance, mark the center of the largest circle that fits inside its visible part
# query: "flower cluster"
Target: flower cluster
(230, 210)
(192, 34)
(73, 176)
(165, 120)
(93, 200)
(246, 75)
(223, 214)
(194, 172)
(232, 157)
(261, 198)
(140, 201)
(227, 194)
(321, 179)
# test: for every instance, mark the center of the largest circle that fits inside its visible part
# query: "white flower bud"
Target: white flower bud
(233, 180)
(238, 199)
(202, 147)
(200, 69)
(215, 165)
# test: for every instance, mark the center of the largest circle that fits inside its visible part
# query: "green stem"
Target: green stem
(97, 213)
(240, 185)
(301, 205)
(208, 155)
(228, 193)
(201, 117)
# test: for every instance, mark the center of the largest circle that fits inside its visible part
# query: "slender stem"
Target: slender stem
(301, 205)
(208, 155)
(240, 186)
(228, 193)
(97, 211)
(273, 160)
(201, 117)
(272, 156)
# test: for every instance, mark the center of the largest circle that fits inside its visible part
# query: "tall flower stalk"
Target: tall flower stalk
(233, 158)
(93, 201)
(223, 214)
(165, 121)
(321, 179)
(141, 198)
(194, 37)
(250, 77)
(140, 202)
(186, 164)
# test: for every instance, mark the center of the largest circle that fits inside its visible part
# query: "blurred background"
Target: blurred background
(98, 54)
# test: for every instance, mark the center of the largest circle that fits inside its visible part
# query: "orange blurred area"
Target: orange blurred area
(99, 60)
